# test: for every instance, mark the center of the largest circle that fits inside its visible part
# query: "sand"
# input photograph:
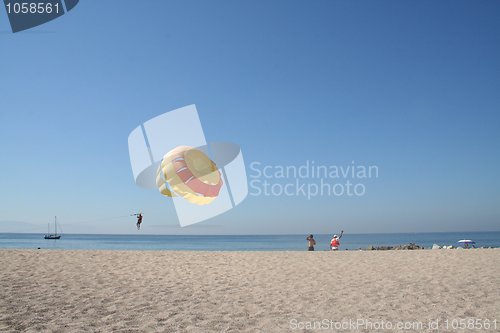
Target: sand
(148, 291)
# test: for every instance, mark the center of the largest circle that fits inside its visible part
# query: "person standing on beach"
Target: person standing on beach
(310, 243)
(335, 242)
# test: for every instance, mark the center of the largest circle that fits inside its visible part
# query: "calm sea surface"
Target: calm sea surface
(238, 243)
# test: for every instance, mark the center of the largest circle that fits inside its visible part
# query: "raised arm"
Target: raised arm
(341, 233)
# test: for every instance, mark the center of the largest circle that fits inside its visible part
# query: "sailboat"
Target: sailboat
(54, 235)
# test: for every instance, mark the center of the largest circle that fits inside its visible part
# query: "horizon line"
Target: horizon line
(253, 234)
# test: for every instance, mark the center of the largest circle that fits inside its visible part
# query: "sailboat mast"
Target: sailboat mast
(55, 224)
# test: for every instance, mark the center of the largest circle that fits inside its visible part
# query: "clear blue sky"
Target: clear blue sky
(411, 86)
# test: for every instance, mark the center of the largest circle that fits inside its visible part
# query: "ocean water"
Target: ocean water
(239, 242)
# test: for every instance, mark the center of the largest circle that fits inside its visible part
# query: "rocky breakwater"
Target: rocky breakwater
(410, 246)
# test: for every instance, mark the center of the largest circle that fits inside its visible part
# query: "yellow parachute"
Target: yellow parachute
(189, 173)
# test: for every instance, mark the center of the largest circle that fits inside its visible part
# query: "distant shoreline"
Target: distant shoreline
(243, 242)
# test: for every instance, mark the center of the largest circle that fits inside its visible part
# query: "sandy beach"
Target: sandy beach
(148, 291)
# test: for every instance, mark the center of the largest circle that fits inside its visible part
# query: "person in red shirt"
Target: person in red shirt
(335, 242)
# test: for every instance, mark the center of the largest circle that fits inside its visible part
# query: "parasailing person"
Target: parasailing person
(139, 220)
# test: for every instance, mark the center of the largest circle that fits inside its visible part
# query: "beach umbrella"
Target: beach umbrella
(466, 243)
